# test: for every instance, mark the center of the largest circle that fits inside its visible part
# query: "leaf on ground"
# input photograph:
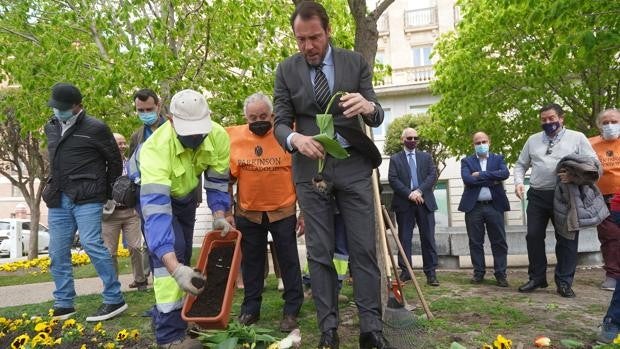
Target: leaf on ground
(571, 343)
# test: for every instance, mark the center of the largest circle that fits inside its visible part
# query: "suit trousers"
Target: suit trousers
(425, 219)
(609, 236)
(352, 190)
(613, 312)
(481, 216)
(539, 212)
(253, 246)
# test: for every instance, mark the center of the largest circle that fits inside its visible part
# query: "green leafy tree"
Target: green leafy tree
(508, 58)
(111, 48)
(430, 140)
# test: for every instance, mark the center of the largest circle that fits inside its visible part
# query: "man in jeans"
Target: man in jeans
(84, 163)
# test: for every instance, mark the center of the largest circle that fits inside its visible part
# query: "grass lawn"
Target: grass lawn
(469, 314)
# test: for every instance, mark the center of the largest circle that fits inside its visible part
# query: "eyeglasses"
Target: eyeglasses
(481, 142)
(412, 138)
(549, 148)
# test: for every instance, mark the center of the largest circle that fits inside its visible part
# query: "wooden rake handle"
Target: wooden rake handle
(405, 258)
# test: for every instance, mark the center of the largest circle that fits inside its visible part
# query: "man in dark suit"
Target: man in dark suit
(484, 202)
(304, 83)
(412, 175)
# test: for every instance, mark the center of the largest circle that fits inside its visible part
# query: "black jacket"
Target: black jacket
(84, 162)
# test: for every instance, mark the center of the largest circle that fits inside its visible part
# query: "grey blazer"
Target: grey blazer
(295, 105)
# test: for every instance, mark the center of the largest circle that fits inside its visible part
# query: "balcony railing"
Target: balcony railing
(425, 17)
(383, 25)
(408, 76)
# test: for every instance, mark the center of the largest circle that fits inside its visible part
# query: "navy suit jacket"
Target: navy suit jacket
(400, 180)
(495, 173)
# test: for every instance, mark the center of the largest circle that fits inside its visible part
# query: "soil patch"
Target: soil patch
(209, 302)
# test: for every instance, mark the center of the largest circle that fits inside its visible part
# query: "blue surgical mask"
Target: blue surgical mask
(551, 127)
(191, 141)
(610, 131)
(482, 149)
(148, 118)
(63, 115)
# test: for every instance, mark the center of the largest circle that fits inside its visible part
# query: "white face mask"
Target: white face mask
(610, 131)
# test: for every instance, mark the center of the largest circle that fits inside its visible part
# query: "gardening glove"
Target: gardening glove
(189, 280)
(222, 224)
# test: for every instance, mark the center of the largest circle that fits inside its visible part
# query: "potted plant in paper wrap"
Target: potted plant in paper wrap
(325, 122)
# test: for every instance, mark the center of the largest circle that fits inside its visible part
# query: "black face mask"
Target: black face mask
(191, 141)
(260, 128)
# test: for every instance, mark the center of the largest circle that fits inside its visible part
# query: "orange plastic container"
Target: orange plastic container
(214, 239)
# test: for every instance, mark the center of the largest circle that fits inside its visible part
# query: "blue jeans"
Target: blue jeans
(63, 223)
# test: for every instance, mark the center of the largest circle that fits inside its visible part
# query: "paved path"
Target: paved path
(42, 292)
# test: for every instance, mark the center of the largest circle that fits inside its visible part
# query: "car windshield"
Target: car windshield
(5, 225)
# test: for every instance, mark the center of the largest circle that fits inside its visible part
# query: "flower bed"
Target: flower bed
(42, 264)
(38, 332)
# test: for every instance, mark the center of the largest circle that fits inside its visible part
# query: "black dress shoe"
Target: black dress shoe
(477, 279)
(432, 281)
(371, 340)
(329, 340)
(404, 277)
(502, 282)
(531, 285)
(566, 291)
(248, 319)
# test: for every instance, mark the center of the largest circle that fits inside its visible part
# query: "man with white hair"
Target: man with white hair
(171, 162)
(607, 148)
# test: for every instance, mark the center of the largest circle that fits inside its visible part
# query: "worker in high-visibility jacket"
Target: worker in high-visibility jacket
(170, 164)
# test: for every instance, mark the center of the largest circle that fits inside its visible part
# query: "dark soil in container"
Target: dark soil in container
(209, 302)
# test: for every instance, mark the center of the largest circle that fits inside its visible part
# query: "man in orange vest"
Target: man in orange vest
(256, 161)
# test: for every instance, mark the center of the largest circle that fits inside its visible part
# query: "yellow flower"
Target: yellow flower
(122, 335)
(109, 346)
(134, 334)
(68, 323)
(83, 346)
(20, 342)
(43, 327)
(617, 339)
(58, 341)
(41, 338)
(98, 327)
(502, 343)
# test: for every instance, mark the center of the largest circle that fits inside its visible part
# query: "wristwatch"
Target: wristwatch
(374, 109)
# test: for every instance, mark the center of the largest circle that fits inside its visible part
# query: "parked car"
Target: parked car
(8, 233)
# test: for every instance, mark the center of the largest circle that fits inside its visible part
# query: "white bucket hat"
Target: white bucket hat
(190, 113)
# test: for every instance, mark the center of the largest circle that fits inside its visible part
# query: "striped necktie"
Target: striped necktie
(321, 87)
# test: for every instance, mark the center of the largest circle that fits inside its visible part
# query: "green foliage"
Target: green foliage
(236, 335)
(431, 140)
(508, 58)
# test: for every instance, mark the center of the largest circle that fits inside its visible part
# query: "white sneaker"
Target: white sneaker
(609, 284)
(280, 285)
(107, 311)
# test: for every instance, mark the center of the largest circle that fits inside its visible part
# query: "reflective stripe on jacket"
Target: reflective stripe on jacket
(167, 169)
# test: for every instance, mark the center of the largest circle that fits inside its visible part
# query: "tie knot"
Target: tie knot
(319, 66)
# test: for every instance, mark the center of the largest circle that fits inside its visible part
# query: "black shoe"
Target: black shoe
(59, 313)
(288, 323)
(477, 279)
(501, 281)
(248, 319)
(371, 340)
(404, 277)
(566, 291)
(432, 281)
(531, 285)
(329, 340)
(107, 311)
(141, 286)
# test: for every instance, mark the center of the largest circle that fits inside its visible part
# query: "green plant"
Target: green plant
(236, 334)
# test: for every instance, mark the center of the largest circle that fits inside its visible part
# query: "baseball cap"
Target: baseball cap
(190, 113)
(64, 96)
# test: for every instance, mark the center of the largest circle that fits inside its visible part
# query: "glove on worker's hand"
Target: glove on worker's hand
(222, 224)
(189, 280)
